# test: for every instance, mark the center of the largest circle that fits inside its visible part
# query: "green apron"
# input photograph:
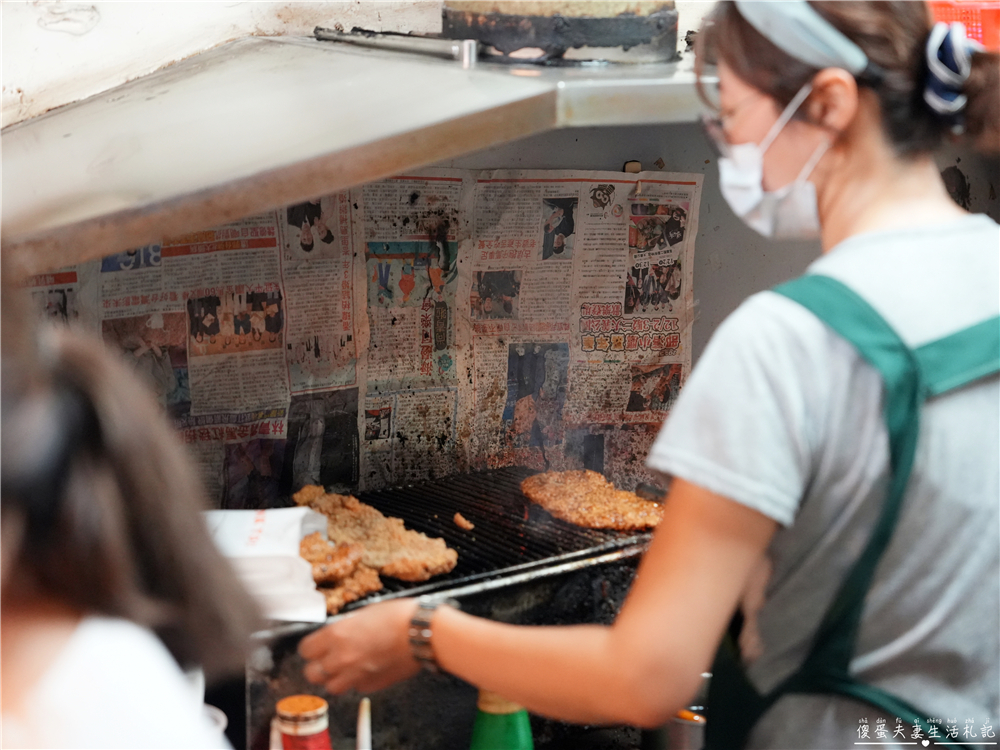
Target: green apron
(910, 376)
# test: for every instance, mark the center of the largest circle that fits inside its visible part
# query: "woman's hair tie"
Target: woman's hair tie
(949, 62)
(43, 434)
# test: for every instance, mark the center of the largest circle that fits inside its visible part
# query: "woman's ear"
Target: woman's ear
(833, 103)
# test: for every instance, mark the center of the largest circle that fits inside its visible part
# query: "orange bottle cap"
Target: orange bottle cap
(301, 707)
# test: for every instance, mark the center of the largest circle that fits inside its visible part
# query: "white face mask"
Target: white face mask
(789, 212)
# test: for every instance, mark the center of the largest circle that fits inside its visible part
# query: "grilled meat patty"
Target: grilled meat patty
(586, 498)
(361, 582)
(389, 546)
(330, 563)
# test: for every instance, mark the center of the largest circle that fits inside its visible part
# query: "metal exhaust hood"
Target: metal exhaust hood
(265, 122)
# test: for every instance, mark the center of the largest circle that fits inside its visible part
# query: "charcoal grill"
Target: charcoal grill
(513, 539)
(519, 564)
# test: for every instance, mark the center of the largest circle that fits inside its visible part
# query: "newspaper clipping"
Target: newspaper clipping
(432, 323)
(580, 299)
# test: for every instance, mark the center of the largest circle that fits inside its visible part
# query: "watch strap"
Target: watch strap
(420, 630)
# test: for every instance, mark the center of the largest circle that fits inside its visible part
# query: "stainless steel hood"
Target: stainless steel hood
(264, 122)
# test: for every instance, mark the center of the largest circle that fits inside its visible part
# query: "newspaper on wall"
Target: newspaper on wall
(410, 228)
(320, 273)
(202, 317)
(427, 324)
(317, 249)
(580, 303)
(63, 297)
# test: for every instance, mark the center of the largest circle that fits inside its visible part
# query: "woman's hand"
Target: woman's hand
(367, 650)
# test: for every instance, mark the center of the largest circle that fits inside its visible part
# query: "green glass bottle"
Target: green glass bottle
(500, 725)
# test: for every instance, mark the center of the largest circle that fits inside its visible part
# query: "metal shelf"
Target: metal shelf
(265, 122)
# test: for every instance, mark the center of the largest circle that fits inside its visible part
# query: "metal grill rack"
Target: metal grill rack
(513, 540)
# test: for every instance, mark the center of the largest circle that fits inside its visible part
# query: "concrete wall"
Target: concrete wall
(59, 52)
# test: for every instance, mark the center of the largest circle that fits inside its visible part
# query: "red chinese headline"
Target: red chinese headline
(271, 428)
(243, 238)
(506, 249)
(344, 219)
(345, 305)
(257, 528)
(52, 279)
(630, 342)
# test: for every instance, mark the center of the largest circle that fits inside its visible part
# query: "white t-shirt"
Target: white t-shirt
(783, 416)
(114, 685)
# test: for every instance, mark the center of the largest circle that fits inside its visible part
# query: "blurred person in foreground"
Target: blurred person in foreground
(796, 440)
(111, 585)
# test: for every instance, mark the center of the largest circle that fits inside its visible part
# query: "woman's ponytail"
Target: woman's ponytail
(982, 112)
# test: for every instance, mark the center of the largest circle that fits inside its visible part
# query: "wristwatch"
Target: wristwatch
(420, 630)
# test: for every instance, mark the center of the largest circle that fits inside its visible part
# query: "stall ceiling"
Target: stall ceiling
(266, 122)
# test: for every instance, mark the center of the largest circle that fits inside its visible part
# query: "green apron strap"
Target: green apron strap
(961, 358)
(909, 377)
(826, 667)
(872, 695)
(734, 703)
(850, 316)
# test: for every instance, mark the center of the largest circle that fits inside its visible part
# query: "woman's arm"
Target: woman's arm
(638, 671)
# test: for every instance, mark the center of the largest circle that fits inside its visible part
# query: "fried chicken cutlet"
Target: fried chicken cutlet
(361, 582)
(330, 563)
(338, 569)
(389, 547)
(586, 498)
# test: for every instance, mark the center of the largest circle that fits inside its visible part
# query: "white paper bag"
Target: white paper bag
(263, 547)
(256, 533)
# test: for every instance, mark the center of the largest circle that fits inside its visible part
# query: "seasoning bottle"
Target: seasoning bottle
(500, 725)
(303, 722)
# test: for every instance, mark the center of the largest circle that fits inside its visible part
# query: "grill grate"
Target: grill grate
(512, 538)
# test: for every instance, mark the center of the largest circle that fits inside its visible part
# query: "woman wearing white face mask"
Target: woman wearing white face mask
(802, 436)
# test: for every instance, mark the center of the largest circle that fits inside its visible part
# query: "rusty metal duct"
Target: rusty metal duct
(567, 30)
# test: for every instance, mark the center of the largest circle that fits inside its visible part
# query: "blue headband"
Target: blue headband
(794, 27)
